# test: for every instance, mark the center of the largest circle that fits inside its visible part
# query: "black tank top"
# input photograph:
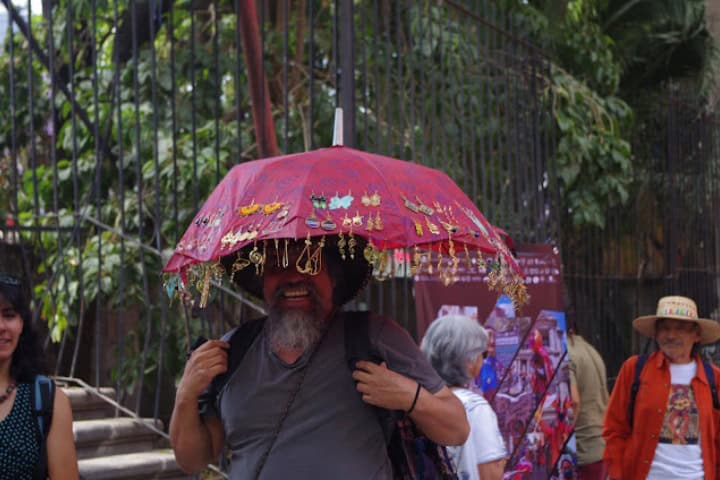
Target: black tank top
(19, 449)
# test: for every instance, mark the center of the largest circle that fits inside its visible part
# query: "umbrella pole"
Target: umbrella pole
(338, 128)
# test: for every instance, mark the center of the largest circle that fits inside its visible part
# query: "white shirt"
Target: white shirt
(485, 443)
(678, 454)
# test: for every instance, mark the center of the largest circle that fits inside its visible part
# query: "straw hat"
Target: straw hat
(678, 308)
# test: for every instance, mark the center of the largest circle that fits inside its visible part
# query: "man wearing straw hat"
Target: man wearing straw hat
(662, 421)
(291, 408)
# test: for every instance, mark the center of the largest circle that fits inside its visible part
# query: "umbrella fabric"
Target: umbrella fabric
(342, 193)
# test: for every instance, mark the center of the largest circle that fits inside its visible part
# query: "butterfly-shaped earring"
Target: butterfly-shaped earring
(341, 202)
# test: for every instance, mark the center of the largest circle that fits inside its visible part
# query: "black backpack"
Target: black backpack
(42, 400)
(413, 456)
(642, 359)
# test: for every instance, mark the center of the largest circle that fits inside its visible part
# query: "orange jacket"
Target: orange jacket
(629, 453)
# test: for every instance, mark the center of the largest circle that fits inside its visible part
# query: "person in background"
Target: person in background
(21, 452)
(455, 345)
(588, 390)
(489, 371)
(672, 428)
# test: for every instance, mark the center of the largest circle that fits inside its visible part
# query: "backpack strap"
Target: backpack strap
(240, 340)
(635, 387)
(710, 374)
(42, 398)
(358, 347)
(357, 339)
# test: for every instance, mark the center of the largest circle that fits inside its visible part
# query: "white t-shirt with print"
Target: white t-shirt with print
(485, 443)
(678, 454)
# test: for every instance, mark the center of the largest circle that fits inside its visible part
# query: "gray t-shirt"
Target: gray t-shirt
(330, 432)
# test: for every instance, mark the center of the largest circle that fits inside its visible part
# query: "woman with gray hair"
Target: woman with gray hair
(455, 346)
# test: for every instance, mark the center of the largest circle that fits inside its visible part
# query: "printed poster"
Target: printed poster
(525, 375)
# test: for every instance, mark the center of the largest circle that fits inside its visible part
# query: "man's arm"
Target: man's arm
(616, 427)
(441, 416)
(492, 470)
(197, 441)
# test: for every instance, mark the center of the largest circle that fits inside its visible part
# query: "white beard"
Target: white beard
(294, 329)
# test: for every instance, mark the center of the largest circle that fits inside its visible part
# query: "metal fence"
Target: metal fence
(123, 115)
(664, 242)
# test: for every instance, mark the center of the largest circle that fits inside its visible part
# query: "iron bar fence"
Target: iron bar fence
(123, 115)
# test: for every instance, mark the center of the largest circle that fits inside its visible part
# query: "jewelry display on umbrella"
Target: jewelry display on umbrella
(410, 207)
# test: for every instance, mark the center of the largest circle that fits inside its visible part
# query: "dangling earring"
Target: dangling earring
(285, 260)
(256, 258)
(352, 243)
(240, 263)
(315, 259)
(305, 252)
(277, 252)
(378, 222)
(341, 245)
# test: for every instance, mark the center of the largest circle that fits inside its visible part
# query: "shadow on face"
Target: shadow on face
(676, 338)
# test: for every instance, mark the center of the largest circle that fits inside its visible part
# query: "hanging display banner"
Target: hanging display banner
(525, 375)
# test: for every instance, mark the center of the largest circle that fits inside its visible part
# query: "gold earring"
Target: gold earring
(341, 245)
(240, 263)
(378, 222)
(315, 259)
(352, 243)
(370, 253)
(256, 258)
(277, 252)
(432, 227)
(305, 268)
(285, 260)
(415, 265)
(366, 200)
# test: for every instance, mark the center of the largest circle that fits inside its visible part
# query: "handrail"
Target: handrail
(96, 391)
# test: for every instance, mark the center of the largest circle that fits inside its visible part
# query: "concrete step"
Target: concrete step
(87, 406)
(115, 436)
(133, 466)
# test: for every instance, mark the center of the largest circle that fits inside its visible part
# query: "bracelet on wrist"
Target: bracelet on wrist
(417, 394)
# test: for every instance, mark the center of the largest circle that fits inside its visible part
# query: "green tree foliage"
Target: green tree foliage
(658, 40)
(161, 113)
(173, 115)
(593, 157)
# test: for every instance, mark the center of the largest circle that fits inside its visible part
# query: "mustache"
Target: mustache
(280, 291)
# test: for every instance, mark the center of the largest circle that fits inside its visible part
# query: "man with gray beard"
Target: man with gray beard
(292, 409)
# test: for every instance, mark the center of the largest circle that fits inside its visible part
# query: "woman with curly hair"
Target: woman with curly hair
(21, 445)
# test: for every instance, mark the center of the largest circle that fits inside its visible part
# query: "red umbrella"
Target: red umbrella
(345, 193)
